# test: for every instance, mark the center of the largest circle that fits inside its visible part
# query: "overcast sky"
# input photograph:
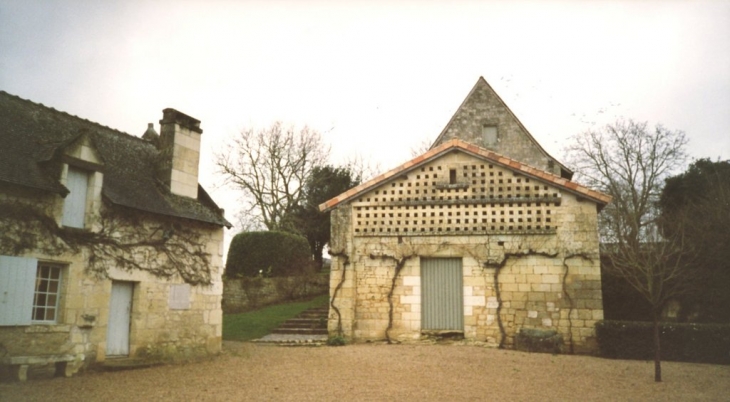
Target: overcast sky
(376, 78)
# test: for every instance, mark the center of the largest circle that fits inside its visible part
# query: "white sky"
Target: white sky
(376, 78)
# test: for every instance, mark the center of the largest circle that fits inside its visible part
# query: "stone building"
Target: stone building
(483, 236)
(109, 247)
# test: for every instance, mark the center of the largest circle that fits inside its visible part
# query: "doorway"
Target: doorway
(120, 312)
(442, 300)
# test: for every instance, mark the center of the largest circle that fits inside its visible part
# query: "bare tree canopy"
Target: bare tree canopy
(421, 148)
(270, 166)
(630, 161)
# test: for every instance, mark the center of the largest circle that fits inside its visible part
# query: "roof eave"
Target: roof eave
(459, 145)
(59, 189)
(225, 223)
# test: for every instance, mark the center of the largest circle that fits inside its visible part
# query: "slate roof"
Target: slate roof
(458, 145)
(32, 137)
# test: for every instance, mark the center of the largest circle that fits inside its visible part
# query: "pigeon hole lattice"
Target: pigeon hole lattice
(448, 197)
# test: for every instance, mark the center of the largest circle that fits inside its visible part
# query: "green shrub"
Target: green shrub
(336, 340)
(538, 340)
(268, 254)
(700, 343)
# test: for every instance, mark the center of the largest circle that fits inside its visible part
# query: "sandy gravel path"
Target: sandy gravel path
(378, 372)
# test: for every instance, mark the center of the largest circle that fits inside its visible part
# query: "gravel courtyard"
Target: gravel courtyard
(378, 372)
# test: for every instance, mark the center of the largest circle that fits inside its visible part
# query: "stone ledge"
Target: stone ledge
(38, 328)
(19, 364)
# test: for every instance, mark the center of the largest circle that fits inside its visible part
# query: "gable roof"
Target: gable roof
(483, 100)
(33, 136)
(458, 145)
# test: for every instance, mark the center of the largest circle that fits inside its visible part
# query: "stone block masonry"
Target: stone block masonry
(510, 280)
(505, 240)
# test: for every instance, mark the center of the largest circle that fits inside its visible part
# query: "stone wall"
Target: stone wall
(158, 330)
(483, 107)
(511, 279)
(249, 293)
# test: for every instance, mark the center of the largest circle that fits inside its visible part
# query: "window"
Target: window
(29, 291)
(47, 292)
(74, 206)
(452, 176)
(489, 134)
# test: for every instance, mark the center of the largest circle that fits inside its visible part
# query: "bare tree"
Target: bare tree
(630, 161)
(361, 168)
(269, 166)
(421, 148)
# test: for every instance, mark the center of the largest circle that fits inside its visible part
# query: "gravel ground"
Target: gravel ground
(378, 372)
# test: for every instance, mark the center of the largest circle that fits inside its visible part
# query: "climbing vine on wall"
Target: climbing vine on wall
(345, 263)
(492, 253)
(119, 237)
(571, 304)
(399, 264)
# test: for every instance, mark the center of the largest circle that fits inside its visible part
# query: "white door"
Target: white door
(120, 310)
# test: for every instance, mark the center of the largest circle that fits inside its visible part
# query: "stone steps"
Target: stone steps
(308, 328)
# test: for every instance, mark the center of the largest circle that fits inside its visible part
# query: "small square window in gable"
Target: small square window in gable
(489, 134)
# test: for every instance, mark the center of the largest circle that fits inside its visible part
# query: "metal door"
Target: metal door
(120, 310)
(442, 300)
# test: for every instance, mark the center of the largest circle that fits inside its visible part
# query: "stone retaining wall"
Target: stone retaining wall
(249, 293)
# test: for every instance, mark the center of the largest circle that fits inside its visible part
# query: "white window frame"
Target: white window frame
(47, 293)
(23, 294)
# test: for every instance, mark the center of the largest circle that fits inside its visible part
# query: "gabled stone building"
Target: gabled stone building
(483, 235)
(109, 247)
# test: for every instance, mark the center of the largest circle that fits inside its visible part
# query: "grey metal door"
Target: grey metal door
(120, 309)
(442, 300)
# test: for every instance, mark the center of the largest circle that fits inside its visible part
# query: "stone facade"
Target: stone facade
(483, 109)
(171, 316)
(156, 330)
(525, 240)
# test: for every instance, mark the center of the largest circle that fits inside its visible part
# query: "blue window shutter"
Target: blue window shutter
(74, 206)
(17, 285)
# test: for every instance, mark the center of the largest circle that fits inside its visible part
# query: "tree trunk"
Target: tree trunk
(318, 259)
(657, 350)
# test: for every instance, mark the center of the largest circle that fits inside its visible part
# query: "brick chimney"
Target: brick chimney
(179, 152)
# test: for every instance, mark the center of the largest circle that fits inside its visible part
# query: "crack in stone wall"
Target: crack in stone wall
(530, 286)
(345, 263)
(399, 263)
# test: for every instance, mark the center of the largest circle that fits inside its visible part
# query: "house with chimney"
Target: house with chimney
(483, 237)
(110, 249)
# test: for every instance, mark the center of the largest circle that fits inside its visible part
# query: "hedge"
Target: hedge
(269, 254)
(699, 343)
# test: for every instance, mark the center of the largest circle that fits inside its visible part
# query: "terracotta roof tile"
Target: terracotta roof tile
(456, 144)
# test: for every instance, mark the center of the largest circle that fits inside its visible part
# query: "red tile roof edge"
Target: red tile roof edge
(504, 161)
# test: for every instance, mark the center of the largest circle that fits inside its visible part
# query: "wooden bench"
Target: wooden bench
(19, 364)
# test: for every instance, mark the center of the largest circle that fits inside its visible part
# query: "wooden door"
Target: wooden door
(120, 311)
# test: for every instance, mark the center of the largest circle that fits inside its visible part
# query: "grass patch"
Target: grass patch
(257, 323)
